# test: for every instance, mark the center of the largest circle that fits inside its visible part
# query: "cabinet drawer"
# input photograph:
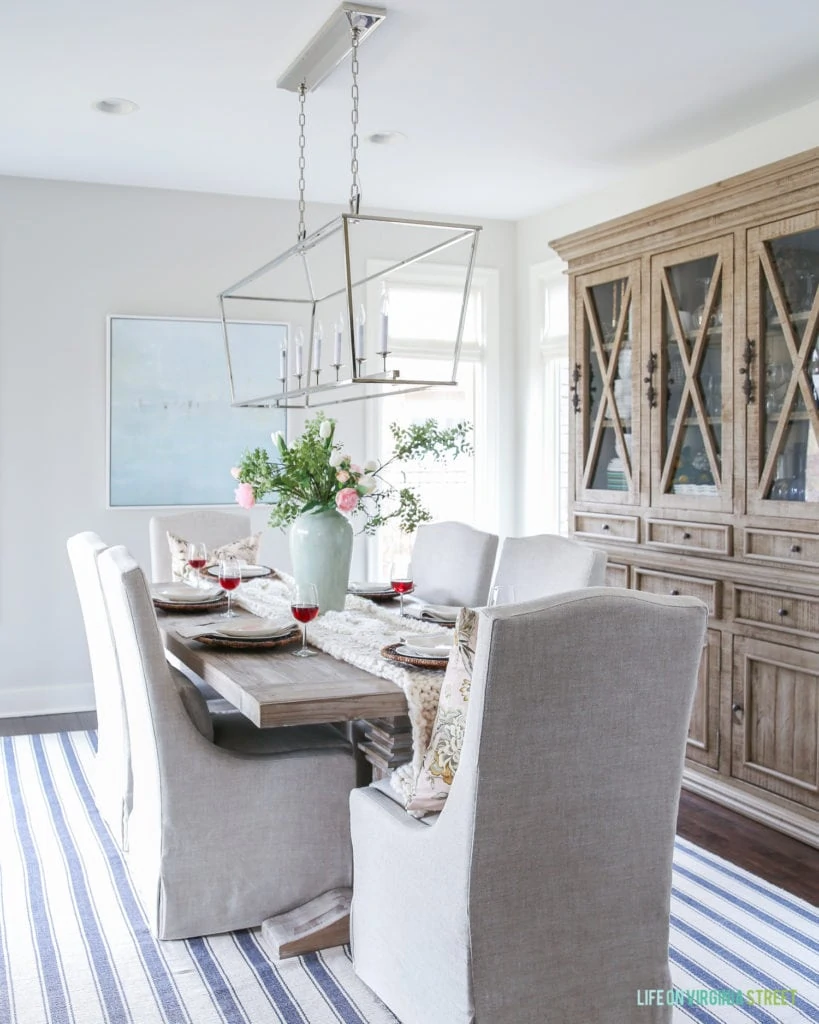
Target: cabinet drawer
(782, 546)
(712, 538)
(611, 527)
(616, 575)
(777, 610)
(689, 586)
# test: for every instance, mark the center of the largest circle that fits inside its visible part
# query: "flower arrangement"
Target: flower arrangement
(315, 474)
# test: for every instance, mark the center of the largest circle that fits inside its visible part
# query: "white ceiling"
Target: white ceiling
(509, 108)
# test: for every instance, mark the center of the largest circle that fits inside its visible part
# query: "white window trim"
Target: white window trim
(546, 354)
(488, 441)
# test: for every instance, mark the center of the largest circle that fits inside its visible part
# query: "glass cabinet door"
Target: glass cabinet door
(688, 377)
(604, 392)
(783, 358)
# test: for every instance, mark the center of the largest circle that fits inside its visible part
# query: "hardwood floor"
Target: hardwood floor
(76, 721)
(778, 859)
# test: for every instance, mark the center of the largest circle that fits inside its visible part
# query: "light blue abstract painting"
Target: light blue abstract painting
(173, 435)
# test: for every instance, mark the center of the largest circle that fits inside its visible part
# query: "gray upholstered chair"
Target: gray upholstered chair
(542, 891)
(548, 564)
(218, 839)
(210, 528)
(111, 781)
(452, 564)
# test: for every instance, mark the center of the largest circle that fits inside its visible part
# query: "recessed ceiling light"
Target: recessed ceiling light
(387, 138)
(116, 105)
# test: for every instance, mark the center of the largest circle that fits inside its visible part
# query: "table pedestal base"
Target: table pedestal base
(387, 743)
(319, 924)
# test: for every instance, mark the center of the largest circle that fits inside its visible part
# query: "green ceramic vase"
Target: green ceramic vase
(321, 548)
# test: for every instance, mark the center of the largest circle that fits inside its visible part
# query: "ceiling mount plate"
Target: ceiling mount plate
(330, 45)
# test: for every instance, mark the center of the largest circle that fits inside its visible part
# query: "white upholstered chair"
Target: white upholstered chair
(111, 782)
(452, 564)
(210, 528)
(542, 891)
(548, 564)
(219, 839)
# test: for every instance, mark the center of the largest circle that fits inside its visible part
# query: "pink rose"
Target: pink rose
(342, 476)
(235, 472)
(245, 497)
(355, 469)
(346, 500)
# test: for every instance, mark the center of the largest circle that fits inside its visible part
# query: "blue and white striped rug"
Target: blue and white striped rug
(75, 949)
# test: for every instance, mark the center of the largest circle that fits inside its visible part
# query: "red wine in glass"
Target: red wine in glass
(197, 559)
(230, 576)
(401, 579)
(304, 605)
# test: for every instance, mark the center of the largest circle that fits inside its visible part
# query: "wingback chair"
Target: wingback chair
(111, 782)
(219, 839)
(541, 894)
(548, 564)
(210, 528)
(452, 564)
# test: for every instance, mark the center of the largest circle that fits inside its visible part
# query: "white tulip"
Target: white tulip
(336, 458)
(371, 466)
(277, 437)
(325, 429)
(368, 483)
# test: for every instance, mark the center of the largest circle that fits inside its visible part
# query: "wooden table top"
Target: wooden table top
(273, 688)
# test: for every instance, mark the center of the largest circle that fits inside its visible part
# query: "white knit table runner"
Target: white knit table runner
(356, 636)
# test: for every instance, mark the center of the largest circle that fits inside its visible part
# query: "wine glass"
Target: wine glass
(401, 579)
(197, 560)
(230, 576)
(305, 607)
(503, 593)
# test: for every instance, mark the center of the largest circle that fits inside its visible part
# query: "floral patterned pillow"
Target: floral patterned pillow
(443, 755)
(246, 550)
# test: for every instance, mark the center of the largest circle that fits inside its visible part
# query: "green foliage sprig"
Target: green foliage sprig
(314, 474)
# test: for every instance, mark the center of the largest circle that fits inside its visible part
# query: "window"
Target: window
(553, 325)
(418, 308)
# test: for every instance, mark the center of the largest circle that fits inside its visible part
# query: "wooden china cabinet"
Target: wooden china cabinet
(695, 446)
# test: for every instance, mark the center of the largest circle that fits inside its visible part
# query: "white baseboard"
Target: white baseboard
(46, 700)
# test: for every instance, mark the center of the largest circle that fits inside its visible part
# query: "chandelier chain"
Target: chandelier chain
(355, 186)
(302, 161)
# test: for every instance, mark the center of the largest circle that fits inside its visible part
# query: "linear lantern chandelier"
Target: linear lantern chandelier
(318, 291)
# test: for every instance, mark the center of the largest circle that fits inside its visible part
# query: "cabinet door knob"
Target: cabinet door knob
(675, 593)
(795, 549)
(686, 535)
(782, 612)
(738, 709)
(606, 527)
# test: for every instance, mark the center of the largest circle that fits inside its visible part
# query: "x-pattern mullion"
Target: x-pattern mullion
(608, 366)
(691, 366)
(799, 351)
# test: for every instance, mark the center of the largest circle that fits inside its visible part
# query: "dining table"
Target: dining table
(272, 689)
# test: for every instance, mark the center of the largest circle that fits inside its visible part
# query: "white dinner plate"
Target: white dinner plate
(248, 571)
(370, 588)
(184, 594)
(429, 653)
(253, 629)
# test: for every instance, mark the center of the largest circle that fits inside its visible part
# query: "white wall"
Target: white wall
(69, 255)
(780, 137)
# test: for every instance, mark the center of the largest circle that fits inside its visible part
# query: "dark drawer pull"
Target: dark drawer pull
(605, 527)
(782, 612)
(686, 535)
(795, 549)
(675, 593)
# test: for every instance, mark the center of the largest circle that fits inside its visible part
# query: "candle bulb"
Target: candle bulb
(339, 334)
(283, 362)
(361, 337)
(299, 353)
(384, 326)
(318, 336)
